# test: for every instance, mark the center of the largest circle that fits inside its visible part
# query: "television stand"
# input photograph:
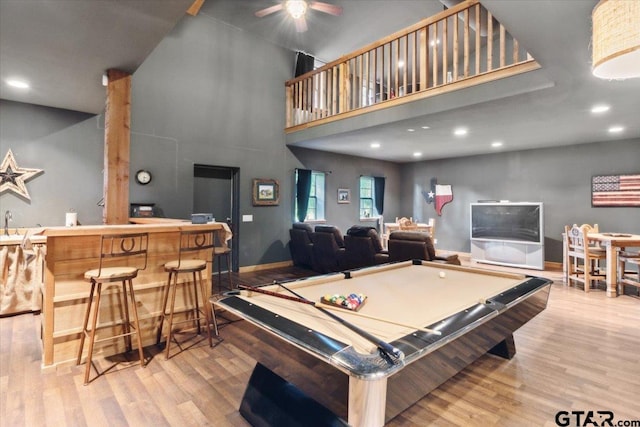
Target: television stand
(509, 253)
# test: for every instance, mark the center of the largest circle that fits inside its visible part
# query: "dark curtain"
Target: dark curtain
(378, 191)
(304, 64)
(303, 188)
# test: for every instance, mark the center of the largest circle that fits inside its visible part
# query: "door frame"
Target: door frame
(235, 210)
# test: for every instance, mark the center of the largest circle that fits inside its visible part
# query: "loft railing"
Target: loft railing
(459, 47)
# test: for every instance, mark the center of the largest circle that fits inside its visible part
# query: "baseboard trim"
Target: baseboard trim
(259, 267)
(552, 265)
(464, 256)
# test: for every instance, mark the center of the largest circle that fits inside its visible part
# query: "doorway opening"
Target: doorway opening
(216, 190)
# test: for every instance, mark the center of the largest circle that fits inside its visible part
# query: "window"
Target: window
(315, 210)
(367, 205)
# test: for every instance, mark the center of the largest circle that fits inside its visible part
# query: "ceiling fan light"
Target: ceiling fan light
(296, 8)
(616, 39)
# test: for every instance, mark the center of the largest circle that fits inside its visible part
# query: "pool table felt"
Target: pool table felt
(410, 294)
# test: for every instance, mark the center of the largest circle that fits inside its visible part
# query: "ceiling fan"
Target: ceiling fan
(297, 9)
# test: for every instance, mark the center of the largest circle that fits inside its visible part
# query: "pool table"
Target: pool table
(441, 317)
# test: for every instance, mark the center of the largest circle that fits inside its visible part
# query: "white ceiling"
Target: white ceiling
(64, 46)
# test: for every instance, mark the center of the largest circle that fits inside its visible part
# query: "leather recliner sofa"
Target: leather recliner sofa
(328, 249)
(301, 245)
(363, 248)
(409, 245)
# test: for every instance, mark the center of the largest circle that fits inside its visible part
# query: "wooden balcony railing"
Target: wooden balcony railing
(460, 47)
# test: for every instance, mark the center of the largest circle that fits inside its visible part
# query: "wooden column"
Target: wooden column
(117, 141)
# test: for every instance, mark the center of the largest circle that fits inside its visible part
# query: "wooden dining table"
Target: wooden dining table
(614, 243)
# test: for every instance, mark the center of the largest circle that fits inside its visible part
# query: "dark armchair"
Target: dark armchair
(408, 245)
(328, 249)
(301, 245)
(363, 248)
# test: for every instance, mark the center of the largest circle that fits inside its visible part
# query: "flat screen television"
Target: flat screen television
(519, 222)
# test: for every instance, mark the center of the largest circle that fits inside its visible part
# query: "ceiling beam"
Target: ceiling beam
(195, 7)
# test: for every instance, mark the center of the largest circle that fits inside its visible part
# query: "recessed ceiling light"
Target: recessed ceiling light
(496, 144)
(600, 108)
(20, 84)
(375, 145)
(425, 127)
(437, 41)
(400, 64)
(417, 154)
(616, 129)
(460, 131)
(411, 130)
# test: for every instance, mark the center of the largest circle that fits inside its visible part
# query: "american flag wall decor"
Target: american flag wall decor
(615, 190)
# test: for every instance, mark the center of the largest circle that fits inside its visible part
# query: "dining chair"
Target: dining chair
(583, 259)
(407, 224)
(628, 269)
(432, 228)
(222, 250)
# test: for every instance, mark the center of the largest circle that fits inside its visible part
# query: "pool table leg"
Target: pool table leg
(367, 401)
(505, 348)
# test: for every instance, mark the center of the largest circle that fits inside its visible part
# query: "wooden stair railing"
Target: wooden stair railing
(459, 47)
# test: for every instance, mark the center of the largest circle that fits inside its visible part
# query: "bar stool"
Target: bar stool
(219, 251)
(130, 252)
(191, 244)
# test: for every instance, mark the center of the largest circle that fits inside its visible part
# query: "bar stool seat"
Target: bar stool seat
(191, 244)
(186, 266)
(111, 274)
(130, 249)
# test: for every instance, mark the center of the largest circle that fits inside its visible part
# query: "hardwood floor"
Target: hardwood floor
(581, 353)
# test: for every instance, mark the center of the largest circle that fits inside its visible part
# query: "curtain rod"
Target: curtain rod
(316, 170)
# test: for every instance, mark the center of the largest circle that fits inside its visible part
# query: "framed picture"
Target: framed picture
(615, 190)
(266, 192)
(344, 195)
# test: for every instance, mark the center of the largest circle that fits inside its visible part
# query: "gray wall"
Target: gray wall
(198, 99)
(558, 177)
(208, 94)
(345, 172)
(69, 147)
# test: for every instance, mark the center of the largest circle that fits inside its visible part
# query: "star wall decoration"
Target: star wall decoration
(13, 177)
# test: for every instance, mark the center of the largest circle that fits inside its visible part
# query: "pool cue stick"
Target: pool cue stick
(356, 313)
(384, 347)
(275, 294)
(379, 319)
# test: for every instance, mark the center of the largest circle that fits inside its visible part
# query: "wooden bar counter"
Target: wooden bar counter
(73, 250)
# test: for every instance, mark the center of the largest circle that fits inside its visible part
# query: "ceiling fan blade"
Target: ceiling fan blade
(301, 24)
(268, 10)
(326, 8)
